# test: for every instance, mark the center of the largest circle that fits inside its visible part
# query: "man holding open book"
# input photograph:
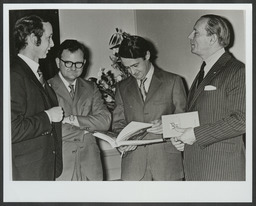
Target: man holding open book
(145, 96)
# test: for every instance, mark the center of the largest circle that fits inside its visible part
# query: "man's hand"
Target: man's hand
(178, 144)
(187, 136)
(156, 128)
(124, 149)
(56, 114)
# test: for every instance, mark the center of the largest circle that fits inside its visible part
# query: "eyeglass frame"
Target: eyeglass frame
(72, 63)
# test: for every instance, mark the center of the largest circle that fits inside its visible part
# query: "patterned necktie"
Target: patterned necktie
(142, 88)
(201, 74)
(41, 78)
(72, 91)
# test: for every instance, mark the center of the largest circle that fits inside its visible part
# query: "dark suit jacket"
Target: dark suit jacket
(219, 152)
(92, 115)
(166, 95)
(36, 143)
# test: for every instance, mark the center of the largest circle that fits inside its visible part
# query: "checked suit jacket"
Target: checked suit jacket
(219, 151)
(36, 142)
(166, 95)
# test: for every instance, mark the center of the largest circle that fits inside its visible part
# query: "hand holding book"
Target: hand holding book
(132, 134)
(156, 128)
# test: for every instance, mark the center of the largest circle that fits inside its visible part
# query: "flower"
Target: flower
(107, 80)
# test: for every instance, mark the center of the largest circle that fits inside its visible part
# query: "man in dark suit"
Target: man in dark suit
(215, 150)
(145, 96)
(85, 112)
(35, 114)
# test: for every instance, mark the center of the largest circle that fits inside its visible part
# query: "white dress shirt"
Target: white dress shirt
(211, 60)
(149, 76)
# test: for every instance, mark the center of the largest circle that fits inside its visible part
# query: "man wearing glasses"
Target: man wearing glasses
(84, 113)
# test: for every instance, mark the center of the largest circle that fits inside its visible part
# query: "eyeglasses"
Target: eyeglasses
(69, 64)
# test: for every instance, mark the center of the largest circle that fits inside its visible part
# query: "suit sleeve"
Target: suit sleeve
(100, 117)
(231, 125)
(119, 121)
(25, 124)
(179, 96)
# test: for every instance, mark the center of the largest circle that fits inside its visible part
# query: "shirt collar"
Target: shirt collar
(32, 64)
(211, 60)
(149, 76)
(66, 83)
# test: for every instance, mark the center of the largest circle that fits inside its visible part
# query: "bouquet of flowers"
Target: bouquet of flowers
(107, 81)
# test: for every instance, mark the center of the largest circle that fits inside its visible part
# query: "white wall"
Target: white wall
(94, 28)
(169, 29)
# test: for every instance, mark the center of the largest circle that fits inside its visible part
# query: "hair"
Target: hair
(219, 26)
(72, 46)
(134, 47)
(25, 27)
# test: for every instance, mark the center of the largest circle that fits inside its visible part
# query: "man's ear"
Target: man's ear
(147, 57)
(33, 39)
(57, 60)
(214, 39)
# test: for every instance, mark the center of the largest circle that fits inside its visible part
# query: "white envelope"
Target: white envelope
(209, 88)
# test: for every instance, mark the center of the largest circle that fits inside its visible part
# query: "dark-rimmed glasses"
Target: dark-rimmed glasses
(69, 64)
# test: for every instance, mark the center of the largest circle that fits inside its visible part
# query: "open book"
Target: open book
(182, 120)
(132, 134)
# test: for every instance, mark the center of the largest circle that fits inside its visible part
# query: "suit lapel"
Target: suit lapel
(133, 90)
(33, 78)
(192, 89)
(154, 84)
(61, 89)
(81, 93)
(216, 68)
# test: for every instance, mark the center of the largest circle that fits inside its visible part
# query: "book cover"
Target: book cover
(182, 120)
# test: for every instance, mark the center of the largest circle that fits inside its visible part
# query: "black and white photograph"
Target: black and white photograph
(127, 102)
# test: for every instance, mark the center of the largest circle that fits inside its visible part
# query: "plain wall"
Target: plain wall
(169, 31)
(94, 28)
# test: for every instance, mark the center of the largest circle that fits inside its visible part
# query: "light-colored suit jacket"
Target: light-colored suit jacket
(166, 95)
(92, 115)
(219, 152)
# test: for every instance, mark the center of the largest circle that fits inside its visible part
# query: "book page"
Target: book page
(182, 120)
(139, 142)
(110, 140)
(131, 128)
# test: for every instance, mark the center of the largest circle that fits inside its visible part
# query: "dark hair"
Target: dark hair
(219, 26)
(134, 47)
(26, 26)
(71, 45)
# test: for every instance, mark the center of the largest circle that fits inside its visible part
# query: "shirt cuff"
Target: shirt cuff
(48, 116)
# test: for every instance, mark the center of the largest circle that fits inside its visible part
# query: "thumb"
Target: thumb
(179, 129)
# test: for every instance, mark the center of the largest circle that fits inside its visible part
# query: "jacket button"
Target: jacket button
(53, 152)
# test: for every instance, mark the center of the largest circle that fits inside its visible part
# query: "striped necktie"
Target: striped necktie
(142, 88)
(72, 91)
(41, 78)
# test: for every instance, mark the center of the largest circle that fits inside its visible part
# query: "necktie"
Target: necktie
(201, 74)
(72, 91)
(142, 88)
(41, 78)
